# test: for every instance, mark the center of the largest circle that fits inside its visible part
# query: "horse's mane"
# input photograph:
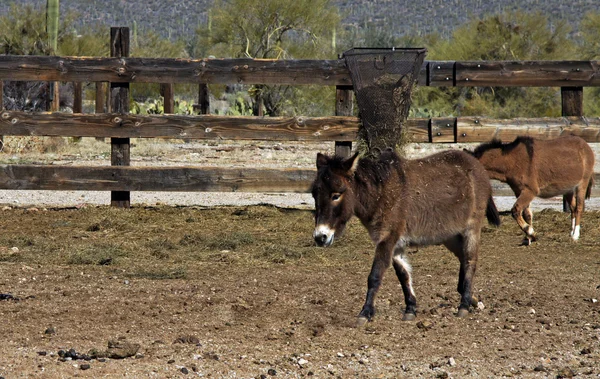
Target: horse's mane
(505, 147)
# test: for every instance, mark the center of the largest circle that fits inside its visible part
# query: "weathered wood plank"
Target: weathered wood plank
(528, 74)
(334, 128)
(175, 179)
(476, 129)
(127, 178)
(443, 129)
(293, 72)
(441, 74)
(167, 70)
(418, 129)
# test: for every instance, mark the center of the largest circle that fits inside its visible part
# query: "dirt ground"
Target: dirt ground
(242, 292)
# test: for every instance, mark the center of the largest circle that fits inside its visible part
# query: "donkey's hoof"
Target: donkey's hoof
(462, 313)
(408, 316)
(526, 241)
(361, 321)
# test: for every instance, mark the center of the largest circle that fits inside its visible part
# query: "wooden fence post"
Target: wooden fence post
(572, 105)
(119, 103)
(1, 108)
(344, 106)
(100, 106)
(168, 92)
(77, 102)
(203, 106)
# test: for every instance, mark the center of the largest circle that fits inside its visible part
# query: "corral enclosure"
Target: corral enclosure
(242, 291)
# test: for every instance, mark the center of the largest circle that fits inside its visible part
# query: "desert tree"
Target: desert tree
(271, 29)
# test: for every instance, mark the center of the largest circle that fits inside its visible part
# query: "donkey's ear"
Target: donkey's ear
(322, 160)
(351, 164)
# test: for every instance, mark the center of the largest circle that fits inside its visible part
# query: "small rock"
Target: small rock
(302, 362)
(192, 340)
(171, 361)
(184, 370)
(480, 306)
(586, 350)
(531, 311)
(340, 355)
(451, 362)
(42, 353)
(85, 366)
(442, 375)
(14, 249)
(424, 325)
(50, 330)
(272, 372)
(565, 372)
(540, 368)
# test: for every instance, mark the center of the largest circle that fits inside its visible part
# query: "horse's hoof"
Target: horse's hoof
(474, 301)
(361, 321)
(408, 317)
(462, 313)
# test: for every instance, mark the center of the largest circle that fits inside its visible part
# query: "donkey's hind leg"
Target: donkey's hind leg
(466, 249)
(403, 271)
(579, 205)
(570, 200)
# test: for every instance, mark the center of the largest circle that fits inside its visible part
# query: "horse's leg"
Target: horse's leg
(466, 249)
(522, 203)
(381, 262)
(403, 271)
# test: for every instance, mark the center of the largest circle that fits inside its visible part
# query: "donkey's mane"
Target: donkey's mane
(377, 171)
(505, 147)
(373, 171)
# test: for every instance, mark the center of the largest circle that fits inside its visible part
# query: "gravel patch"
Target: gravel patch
(211, 199)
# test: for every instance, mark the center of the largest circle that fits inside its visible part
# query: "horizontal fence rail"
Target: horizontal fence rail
(333, 128)
(127, 178)
(292, 72)
(171, 179)
(119, 70)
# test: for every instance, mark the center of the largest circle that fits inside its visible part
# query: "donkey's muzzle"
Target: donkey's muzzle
(323, 236)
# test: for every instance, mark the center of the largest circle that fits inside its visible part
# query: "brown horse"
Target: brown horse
(541, 168)
(441, 199)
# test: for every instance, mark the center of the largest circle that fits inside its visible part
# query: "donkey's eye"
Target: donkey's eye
(336, 196)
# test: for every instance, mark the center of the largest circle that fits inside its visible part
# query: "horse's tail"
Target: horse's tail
(492, 213)
(588, 192)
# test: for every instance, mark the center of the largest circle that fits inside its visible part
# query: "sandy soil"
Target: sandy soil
(242, 292)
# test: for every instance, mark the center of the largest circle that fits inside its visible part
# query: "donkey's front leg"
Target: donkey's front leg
(381, 262)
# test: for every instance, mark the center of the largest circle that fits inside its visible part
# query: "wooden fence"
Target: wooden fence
(119, 70)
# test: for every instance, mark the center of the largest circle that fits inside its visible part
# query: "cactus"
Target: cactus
(52, 17)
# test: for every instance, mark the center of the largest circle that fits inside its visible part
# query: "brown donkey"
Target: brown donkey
(541, 168)
(441, 199)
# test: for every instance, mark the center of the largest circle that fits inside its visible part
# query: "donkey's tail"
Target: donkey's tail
(588, 192)
(491, 212)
